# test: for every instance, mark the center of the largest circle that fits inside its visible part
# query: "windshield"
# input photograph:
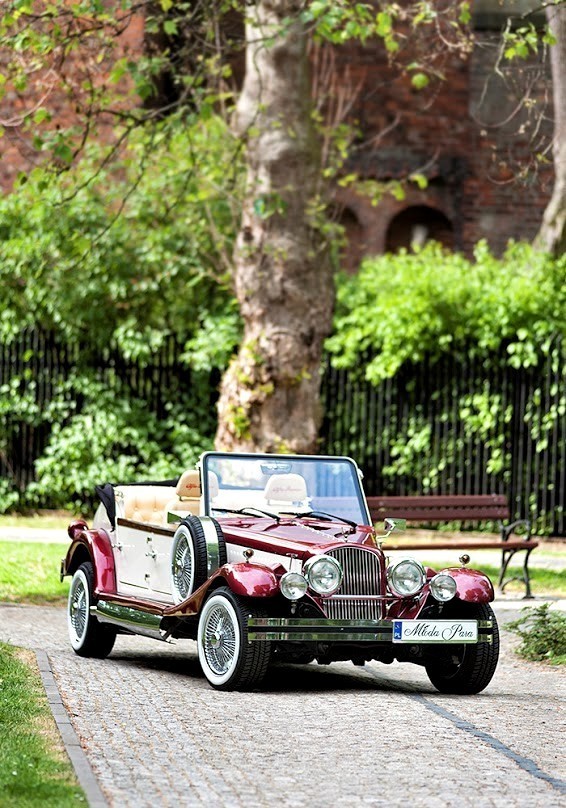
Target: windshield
(282, 484)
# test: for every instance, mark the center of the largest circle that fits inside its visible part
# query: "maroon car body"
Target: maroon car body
(263, 558)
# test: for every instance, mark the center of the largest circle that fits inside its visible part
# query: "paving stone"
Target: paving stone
(156, 734)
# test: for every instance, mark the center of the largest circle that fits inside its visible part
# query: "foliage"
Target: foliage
(114, 439)
(407, 306)
(33, 771)
(543, 634)
(124, 257)
(101, 430)
(118, 266)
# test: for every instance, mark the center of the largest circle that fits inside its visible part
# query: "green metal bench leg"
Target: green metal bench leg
(507, 555)
(526, 576)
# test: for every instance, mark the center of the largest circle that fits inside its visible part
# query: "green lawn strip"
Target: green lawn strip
(34, 769)
(55, 521)
(544, 582)
(29, 573)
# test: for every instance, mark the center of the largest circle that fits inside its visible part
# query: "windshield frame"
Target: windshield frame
(356, 473)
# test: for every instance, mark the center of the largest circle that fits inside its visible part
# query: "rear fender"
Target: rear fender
(93, 546)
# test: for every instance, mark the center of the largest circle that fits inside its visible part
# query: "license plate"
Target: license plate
(439, 631)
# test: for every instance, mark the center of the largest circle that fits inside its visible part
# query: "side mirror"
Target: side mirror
(395, 524)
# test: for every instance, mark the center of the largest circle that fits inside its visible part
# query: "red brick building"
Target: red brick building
(481, 138)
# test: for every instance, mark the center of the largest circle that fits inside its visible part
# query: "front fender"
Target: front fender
(250, 580)
(472, 586)
(94, 546)
(245, 579)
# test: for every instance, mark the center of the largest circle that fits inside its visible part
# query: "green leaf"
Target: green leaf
(420, 81)
(41, 115)
(420, 180)
(63, 152)
(465, 15)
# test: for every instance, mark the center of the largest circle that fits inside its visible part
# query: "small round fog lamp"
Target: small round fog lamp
(293, 585)
(443, 587)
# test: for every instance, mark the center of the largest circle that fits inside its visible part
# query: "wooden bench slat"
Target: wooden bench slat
(462, 545)
(440, 514)
(436, 500)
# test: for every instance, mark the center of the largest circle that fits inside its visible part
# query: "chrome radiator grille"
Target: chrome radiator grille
(361, 577)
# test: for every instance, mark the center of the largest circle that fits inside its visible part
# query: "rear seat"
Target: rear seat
(143, 503)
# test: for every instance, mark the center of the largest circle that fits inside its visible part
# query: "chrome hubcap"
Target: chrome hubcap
(182, 568)
(219, 640)
(78, 609)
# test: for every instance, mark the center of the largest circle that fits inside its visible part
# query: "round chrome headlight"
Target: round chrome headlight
(406, 577)
(293, 585)
(443, 587)
(324, 574)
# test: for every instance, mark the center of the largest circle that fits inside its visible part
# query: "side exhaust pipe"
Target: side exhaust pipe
(134, 621)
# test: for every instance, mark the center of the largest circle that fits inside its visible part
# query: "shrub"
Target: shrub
(405, 307)
(543, 634)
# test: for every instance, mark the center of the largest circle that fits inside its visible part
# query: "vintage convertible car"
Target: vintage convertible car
(267, 558)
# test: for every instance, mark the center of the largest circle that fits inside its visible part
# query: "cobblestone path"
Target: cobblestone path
(156, 734)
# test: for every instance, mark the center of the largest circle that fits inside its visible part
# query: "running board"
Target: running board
(134, 621)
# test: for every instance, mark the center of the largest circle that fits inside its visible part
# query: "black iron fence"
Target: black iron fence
(451, 427)
(458, 426)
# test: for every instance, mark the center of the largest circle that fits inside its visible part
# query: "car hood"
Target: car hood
(301, 537)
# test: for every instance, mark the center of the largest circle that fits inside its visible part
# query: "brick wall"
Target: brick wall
(467, 135)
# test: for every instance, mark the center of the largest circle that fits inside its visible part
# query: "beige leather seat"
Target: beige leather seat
(187, 500)
(142, 503)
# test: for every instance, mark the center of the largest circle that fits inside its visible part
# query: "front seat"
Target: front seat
(286, 490)
(188, 493)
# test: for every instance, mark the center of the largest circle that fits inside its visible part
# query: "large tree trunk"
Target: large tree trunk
(269, 397)
(552, 235)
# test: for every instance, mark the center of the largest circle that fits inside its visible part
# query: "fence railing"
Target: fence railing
(449, 427)
(453, 427)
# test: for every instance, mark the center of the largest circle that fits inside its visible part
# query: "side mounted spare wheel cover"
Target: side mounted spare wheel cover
(198, 551)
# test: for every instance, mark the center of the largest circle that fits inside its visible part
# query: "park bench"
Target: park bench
(434, 510)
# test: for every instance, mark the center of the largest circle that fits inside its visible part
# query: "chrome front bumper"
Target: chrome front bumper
(263, 629)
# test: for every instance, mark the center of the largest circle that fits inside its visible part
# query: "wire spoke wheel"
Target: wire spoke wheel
(78, 608)
(220, 641)
(227, 659)
(193, 558)
(88, 637)
(183, 567)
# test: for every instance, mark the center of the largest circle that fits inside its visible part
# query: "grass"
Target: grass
(34, 770)
(29, 573)
(57, 520)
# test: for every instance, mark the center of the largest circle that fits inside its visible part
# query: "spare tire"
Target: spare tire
(198, 551)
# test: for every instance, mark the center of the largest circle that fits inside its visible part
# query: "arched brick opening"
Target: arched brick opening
(416, 225)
